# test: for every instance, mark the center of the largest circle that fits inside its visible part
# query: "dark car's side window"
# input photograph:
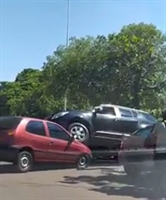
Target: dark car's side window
(125, 112)
(135, 114)
(36, 128)
(57, 132)
(107, 110)
(146, 116)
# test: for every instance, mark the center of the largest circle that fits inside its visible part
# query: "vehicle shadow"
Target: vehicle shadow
(11, 169)
(112, 182)
(8, 168)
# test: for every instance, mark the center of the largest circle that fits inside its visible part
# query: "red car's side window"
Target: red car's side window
(36, 128)
(57, 132)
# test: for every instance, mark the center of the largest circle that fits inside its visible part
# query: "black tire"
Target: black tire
(26, 164)
(83, 161)
(83, 127)
(131, 170)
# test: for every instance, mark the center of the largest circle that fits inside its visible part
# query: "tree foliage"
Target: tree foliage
(126, 68)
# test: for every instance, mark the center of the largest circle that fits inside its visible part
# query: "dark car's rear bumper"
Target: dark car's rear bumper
(8, 153)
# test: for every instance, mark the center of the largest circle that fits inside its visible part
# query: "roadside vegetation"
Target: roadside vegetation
(126, 68)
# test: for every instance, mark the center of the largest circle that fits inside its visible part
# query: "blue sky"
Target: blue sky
(32, 29)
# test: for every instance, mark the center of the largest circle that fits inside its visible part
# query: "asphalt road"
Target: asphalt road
(97, 182)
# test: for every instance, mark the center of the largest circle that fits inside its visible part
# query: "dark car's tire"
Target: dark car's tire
(83, 161)
(80, 131)
(131, 170)
(24, 162)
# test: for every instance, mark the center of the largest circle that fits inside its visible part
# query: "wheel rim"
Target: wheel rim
(24, 161)
(82, 161)
(79, 132)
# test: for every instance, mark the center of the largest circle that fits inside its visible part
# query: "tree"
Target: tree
(4, 108)
(126, 68)
(139, 54)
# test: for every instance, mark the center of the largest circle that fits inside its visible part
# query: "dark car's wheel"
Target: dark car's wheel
(131, 170)
(24, 161)
(83, 161)
(80, 132)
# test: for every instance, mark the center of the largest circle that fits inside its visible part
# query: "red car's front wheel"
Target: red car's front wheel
(83, 161)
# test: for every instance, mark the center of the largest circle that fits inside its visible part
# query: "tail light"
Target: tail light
(10, 133)
(7, 132)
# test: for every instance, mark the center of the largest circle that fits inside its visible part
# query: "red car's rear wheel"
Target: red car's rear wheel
(24, 161)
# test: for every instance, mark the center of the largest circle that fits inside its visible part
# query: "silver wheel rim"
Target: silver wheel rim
(82, 161)
(24, 161)
(79, 132)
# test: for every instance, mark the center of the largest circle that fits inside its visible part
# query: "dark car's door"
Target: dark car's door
(159, 132)
(104, 120)
(126, 123)
(139, 146)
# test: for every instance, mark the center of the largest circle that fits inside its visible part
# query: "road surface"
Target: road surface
(97, 182)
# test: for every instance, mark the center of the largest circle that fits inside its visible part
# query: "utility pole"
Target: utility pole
(67, 42)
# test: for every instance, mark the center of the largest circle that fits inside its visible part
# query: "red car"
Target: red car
(25, 141)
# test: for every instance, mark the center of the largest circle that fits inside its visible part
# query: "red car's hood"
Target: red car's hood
(82, 147)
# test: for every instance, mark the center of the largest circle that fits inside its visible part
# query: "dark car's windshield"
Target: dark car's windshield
(144, 132)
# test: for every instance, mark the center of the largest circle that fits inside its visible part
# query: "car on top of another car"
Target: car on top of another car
(103, 127)
(25, 141)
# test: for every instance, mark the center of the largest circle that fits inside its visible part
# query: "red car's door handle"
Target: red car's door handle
(51, 143)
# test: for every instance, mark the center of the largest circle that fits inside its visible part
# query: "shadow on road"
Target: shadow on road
(111, 182)
(10, 169)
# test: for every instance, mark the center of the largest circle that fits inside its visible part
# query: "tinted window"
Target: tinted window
(146, 116)
(125, 112)
(145, 132)
(9, 122)
(135, 114)
(36, 127)
(107, 110)
(57, 132)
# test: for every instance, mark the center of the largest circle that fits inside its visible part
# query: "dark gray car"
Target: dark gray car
(103, 127)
